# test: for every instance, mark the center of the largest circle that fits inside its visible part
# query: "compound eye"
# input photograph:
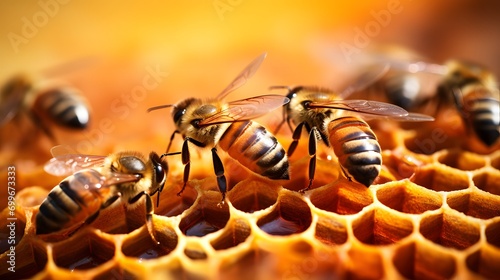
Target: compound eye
(291, 95)
(178, 113)
(160, 168)
(159, 173)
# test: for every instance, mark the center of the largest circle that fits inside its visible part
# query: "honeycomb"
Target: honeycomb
(431, 216)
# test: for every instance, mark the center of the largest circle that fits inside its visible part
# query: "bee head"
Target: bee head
(463, 73)
(15, 85)
(130, 163)
(292, 95)
(160, 169)
(180, 110)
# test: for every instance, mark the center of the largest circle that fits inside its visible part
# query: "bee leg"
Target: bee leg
(110, 201)
(346, 174)
(160, 189)
(186, 160)
(219, 172)
(187, 165)
(279, 126)
(285, 119)
(157, 192)
(296, 136)
(289, 124)
(94, 216)
(88, 221)
(171, 139)
(149, 213)
(312, 154)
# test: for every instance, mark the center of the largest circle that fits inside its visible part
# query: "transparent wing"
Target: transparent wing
(382, 64)
(91, 179)
(120, 178)
(246, 109)
(402, 59)
(420, 66)
(9, 108)
(366, 79)
(414, 117)
(11, 97)
(411, 117)
(363, 106)
(243, 77)
(65, 161)
(70, 66)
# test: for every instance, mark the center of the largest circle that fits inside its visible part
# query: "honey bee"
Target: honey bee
(476, 97)
(63, 106)
(326, 119)
(96, 183)
(424, 87)
(227, 125)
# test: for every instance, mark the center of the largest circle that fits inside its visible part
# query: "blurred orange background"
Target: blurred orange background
(197, 48)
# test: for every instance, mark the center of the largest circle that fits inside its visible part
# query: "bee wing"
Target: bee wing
(10, 107)
(12, 103)
(368, 107)
(401, 59)
(378, 65)
(420, 66)
(367, 78)
(411, 117)
(70, 66)
(119, 178)
(246, 109)
(243, 77)
(414, 117)
(65, 161)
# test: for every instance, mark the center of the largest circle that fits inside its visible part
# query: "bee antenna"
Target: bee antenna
(158, 107)
(280, 87)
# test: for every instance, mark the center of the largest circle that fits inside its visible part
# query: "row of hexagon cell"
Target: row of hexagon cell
(449, 214)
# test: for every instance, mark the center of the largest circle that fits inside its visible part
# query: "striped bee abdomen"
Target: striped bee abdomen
(69, 203)
(65, 108)
(255, 148)
(357, 148)
(486, 119)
